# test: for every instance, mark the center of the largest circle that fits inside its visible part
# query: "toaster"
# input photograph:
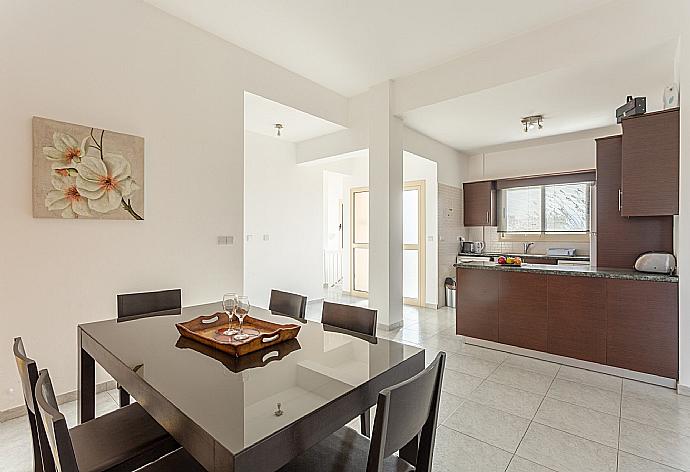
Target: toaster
(656, 262)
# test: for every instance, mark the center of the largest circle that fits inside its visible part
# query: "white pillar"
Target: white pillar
(683, 220)
(385, 207)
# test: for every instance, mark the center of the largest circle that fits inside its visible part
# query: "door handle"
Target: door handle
(620, 200)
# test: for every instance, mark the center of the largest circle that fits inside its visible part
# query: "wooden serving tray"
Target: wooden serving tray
(208, 330)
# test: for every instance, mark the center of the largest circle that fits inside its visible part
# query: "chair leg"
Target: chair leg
(365, 422)
(124, 397)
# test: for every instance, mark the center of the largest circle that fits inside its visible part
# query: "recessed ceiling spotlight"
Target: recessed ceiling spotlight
(278, 126)
(531, 122)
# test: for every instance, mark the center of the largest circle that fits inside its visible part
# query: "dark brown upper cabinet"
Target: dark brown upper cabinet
(651, 151)
(619, 239)
(479, 203)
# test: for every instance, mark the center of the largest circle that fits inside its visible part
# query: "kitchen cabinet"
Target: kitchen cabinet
(577, 317)
(477, 304)
(651, 151)
(522, 310)
(619, 239)
(642, 326)
(479, 203)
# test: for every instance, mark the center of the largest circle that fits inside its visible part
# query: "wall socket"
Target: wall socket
(225, 240)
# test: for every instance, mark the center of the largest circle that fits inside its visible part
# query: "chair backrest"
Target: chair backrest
(289, 304)
(28, 373)
(406, 415)
(131, 306)
(55, 425)
(349, 317)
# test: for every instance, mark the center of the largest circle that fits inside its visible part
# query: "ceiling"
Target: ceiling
(571, 99)
(261, 115)
(350, 45)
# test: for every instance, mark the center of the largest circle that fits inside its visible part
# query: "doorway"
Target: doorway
(414, 238)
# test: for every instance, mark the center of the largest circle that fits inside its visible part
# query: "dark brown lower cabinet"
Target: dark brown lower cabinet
(477, 304)
(522, 315)
(642, 326)
(577, 317)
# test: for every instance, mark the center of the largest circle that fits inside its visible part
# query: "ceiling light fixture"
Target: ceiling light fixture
(278, 126)
(530, 122)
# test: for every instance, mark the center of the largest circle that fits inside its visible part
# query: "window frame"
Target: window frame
(542, 235)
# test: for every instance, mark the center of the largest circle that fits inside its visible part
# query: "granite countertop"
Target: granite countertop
(577, 271)
(535, 256)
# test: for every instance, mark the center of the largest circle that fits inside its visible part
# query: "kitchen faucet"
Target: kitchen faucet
(526, 246)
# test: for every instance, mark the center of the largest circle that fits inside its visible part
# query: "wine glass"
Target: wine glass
(243, 307)
(230, 309)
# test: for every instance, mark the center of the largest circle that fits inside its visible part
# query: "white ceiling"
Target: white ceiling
(572, 99)
(261, 115)
(350, 45)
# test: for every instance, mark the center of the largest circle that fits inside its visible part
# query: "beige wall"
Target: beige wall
(449, 228)
(128, 67)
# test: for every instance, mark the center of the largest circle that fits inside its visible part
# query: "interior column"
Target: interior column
(385, 208)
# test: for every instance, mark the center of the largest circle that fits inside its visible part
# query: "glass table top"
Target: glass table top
(236, 399)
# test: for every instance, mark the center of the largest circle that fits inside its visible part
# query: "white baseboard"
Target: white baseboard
(18, 411)
(593, 366)
(433, 306)
(683, 390)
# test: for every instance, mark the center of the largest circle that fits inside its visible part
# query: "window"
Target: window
(553, 208)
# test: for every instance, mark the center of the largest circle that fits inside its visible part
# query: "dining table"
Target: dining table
(250, 413)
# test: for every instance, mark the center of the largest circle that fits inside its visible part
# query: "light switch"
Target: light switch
(250, 237)
(266, 237)
(230, 239)
(221, 240)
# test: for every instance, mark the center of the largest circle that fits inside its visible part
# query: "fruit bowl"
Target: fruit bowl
(509, 261)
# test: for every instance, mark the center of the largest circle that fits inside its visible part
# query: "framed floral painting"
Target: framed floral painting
(88, 173)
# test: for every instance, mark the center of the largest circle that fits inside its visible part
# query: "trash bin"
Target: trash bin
(451, 291)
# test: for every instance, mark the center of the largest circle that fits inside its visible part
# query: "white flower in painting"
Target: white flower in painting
(66, 197)
(105, 182)
(66, 151)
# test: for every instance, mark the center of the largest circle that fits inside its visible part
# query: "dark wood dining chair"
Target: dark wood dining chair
(125, 438)
(406, 419)
(289, 304)
(134, 306)
(352, 318)
(79, 450)
(358, 320)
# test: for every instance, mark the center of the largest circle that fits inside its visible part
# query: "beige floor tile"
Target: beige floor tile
(656, 412)
(669, 395)
(580, 421)
(518, 464)
(664, 447)
(456, 452)
(449, 404)
(590, 397)
(565, 452)
(459, 384)
(492, 426)
(522, 379)
(470, 365)
(511, 400)
(629, 463)
(587, 377)
(534, 365)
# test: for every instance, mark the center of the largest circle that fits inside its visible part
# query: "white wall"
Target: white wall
(545, 159)
(143, 72)
(683, 221)
(283, 217)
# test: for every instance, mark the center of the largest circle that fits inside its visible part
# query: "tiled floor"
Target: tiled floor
(502, 412)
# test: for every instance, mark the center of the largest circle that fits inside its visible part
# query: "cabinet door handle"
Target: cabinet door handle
(487, 217)
(620, 200)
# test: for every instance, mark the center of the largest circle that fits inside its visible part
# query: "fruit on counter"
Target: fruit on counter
(503, 260)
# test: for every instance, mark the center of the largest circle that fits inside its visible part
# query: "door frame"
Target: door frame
(420, 186)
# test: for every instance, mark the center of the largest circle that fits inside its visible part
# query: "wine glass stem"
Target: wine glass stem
(241, 321)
